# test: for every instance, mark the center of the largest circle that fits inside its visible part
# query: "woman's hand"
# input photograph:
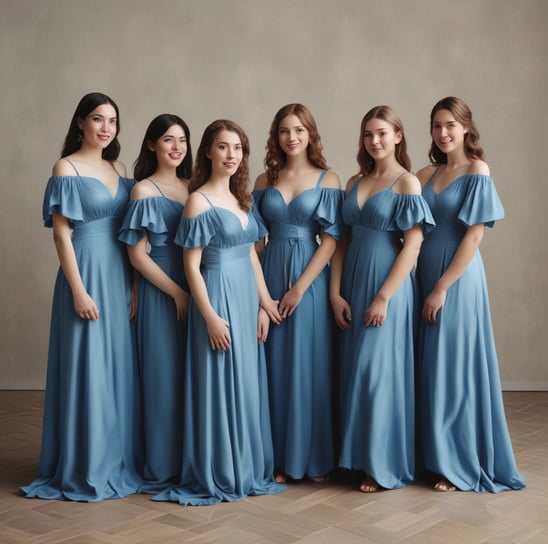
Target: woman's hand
(85, 306)
(271, 308)
(290, 301)
(376, 313)
(263, 324)
(433, 304)
(217, 329)
(181, 304)
(342, 313)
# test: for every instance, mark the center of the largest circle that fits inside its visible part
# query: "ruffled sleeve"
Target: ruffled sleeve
(62, 196)
(328, 213)
(481, 203)
(196, 231)
(412, 210)
(257, 196)
(142, 217)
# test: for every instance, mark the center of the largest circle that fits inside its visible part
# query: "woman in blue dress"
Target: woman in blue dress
(373, 297)
(465, 440)
(90, 442)
(227, 452)
(163, 167)
(299, 201)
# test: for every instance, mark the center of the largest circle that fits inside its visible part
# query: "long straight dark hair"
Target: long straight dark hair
(147, 162)
(87, 104)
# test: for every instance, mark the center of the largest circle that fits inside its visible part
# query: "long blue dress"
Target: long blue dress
(91, 438)
(464, 434)
(299, 351)
(160, 340)
(227, 452)
(377, 363)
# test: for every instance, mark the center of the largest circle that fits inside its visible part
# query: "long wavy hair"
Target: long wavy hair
(463, 115)
(147, 161)
(385, 113)
(73, 139)
(276, 159)
(239, 181)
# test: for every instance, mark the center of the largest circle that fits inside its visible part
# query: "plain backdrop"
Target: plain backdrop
(243, 60)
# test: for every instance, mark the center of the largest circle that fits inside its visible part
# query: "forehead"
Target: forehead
(106, 110)
(374, 125)
(227, 137)
(444, 116)
(291, 121)
(174, 130)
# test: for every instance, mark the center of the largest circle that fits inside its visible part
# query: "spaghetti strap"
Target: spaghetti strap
(114, 168)
(72, 164)
(205, 196)
(157, 187)
(320, 178)
(433, 174)
(397, 179)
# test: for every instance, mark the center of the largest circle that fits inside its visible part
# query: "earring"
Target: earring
(80, 136)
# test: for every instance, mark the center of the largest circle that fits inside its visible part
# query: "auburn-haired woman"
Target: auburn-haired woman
(373, 297)
(227, 451)
(299, 199)
(465, 441)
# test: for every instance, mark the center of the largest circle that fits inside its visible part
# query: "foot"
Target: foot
(319, 479)
(444, 485)
(369, 485)
(280, 477)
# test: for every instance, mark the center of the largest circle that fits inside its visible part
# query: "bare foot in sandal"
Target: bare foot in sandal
(280, 477)
(319, 479)
(369, 485)
(444, 485)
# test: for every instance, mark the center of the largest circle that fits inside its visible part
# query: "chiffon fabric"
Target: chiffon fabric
(464, 434)
(227, 452)
(299, 351)
(91, 439)
(377, 363)
(160, 340)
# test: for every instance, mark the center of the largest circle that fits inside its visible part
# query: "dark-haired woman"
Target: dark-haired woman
(373, 296)
(90, 442)
(227, 451)
(465, 440)
(162, 169)
(299, 200)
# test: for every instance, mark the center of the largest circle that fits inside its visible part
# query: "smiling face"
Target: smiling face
(447, 133)
(226, 153)
(293, 136)
(170, 147)
(380, 138)
(100, 126)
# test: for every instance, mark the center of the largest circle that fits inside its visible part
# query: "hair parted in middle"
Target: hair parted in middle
(276, 159)
(385, 113)
(239, 181)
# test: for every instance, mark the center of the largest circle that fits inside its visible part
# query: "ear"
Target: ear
(79, 122)
(398, 136)
(150, 146)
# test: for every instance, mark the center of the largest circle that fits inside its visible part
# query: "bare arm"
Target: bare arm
(462, 258)
(401, 268)
(217, 327)
(341, 308)
(84, 305)
(321, 257)
(142, 262)
(265, 300)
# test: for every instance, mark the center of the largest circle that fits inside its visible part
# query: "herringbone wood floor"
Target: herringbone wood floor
(332, 513)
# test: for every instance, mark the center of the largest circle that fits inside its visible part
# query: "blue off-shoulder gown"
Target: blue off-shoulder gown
(299, 351)
(464, 434)
(160, 340)
(91, 432)
(377, 363)
(227, 452)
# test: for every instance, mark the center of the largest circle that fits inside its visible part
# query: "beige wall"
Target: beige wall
(243, 59)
